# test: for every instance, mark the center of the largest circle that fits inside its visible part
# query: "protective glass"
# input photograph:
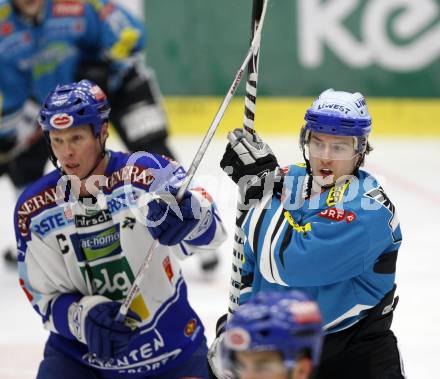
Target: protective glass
(343, 150)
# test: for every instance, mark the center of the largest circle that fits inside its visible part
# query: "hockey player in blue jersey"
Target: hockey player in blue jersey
(44, 43)
(275, 335)
(83, 232)
(327, 228)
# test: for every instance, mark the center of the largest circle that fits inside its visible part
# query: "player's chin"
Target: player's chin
(74, 170)
(324, 181)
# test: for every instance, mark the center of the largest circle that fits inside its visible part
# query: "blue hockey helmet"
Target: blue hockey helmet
(338, 113)
(286, 322)
(75, 104)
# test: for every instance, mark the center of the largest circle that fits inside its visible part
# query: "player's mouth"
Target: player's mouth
(72, 166)
(325, 172)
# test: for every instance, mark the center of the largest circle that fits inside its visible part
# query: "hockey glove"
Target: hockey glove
(92, 321)
(214, 360)
(171, 223)
(250, 163)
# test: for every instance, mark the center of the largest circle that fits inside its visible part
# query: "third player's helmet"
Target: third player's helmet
(339, 113)
(75, 104)
(286, 322)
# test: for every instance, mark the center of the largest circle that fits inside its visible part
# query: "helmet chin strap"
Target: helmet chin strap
(310, 175)
(98, 159)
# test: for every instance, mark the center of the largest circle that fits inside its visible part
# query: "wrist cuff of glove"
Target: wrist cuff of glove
(202, 210)
(279, 180)
(221, 325)
(77, 314)
(256, 187)
(60, 308)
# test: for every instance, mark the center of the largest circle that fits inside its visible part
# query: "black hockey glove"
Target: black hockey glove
(251, 164)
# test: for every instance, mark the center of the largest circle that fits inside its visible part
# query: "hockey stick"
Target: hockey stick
(258, 14)
(252, 52)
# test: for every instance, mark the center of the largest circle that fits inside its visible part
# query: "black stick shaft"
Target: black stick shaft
(258, 13)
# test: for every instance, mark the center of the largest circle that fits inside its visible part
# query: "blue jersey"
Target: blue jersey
(340, 247)
(36, 57)
(70, 249)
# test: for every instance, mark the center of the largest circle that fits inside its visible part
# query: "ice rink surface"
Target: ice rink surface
(409, 171)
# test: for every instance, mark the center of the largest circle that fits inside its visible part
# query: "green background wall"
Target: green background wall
(380, 47)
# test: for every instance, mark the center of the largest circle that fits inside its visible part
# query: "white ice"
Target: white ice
(409, 170)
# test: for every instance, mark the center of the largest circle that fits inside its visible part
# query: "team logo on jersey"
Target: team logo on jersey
(166, 263)
(237, 339)
(6, 28)
(190, 327)
(336, 214)
(67, 8)
(61, 121)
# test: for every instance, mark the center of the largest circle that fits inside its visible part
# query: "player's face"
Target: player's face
(30, 8)
(331, 157)
(260, 365)
(77, 149)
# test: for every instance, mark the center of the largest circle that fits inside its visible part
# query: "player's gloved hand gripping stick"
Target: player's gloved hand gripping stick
(258, 15)
(244, 150)
(252, 52)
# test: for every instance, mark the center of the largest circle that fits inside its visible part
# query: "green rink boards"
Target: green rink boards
(387, 49)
